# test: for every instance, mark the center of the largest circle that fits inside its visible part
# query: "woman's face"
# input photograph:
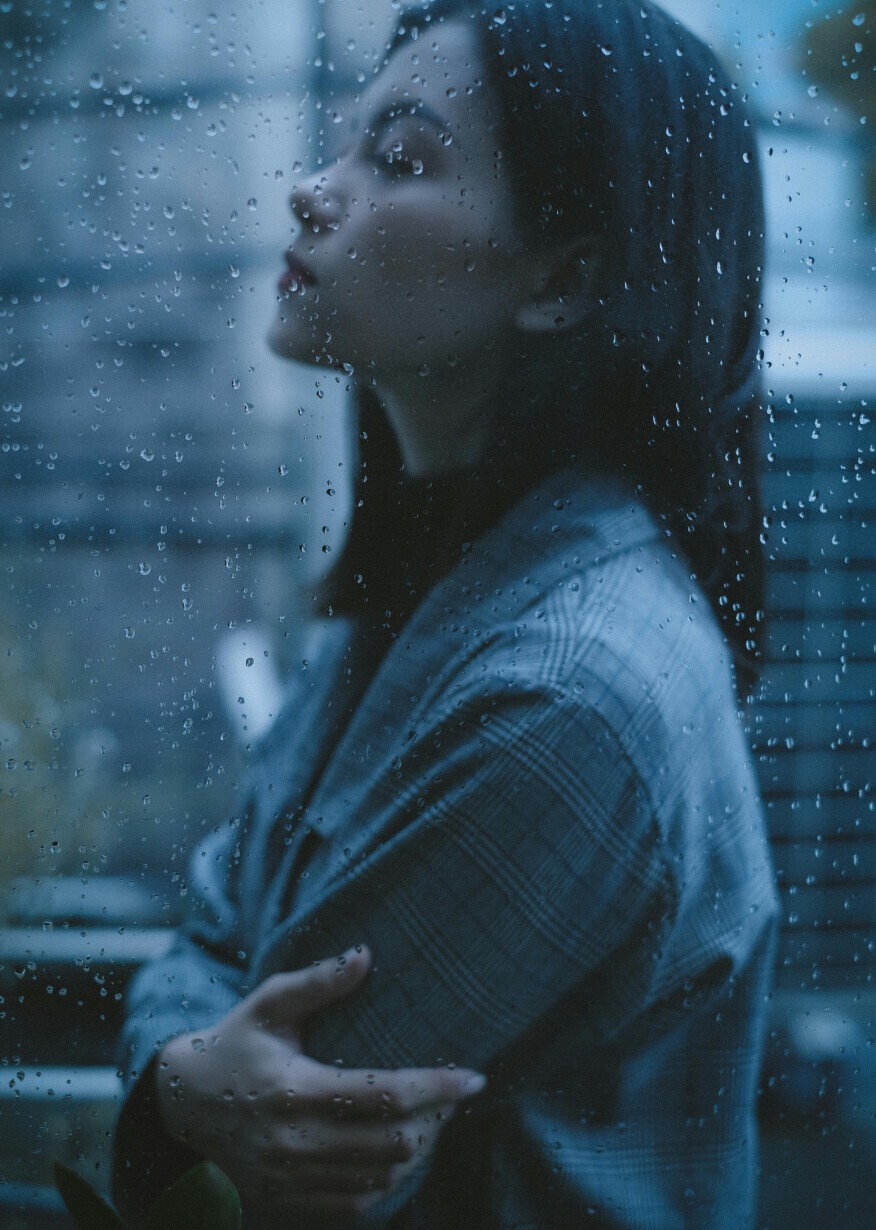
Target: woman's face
(406, 257)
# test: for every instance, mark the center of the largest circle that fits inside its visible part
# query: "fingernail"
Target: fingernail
(474, 1084)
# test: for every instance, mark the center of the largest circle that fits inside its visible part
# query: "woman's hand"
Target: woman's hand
(290, 1132)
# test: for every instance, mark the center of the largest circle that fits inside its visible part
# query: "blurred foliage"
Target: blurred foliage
(203, 1199)
(49, 766)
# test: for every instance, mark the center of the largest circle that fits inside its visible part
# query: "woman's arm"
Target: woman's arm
(213, 1062)
(514, 850)
(293, 1134)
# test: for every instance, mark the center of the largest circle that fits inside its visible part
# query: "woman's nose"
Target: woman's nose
(315, 208)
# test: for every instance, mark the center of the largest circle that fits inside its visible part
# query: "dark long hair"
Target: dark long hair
(617, 121)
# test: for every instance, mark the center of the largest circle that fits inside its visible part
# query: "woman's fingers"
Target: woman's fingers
(382, 1093)
(287, 999)
(356, 1144)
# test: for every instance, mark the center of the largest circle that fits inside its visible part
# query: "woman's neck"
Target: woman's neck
(442, 424)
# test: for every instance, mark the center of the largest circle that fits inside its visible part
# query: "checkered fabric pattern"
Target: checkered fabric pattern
(542, 817)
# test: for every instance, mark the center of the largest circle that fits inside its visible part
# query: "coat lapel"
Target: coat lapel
(290, 758)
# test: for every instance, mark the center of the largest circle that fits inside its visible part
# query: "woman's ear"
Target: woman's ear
(563, 290)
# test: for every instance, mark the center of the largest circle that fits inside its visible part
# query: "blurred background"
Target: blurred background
(167, 489)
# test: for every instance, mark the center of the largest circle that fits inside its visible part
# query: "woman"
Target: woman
(514, 767)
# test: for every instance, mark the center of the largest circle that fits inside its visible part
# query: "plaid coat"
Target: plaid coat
(542, 818)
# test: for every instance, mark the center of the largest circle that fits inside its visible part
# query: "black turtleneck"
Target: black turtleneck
(407, 532)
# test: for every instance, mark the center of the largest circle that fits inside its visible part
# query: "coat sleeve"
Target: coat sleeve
(189, 988)
(518, 853)
(201, 977)
(206, 971)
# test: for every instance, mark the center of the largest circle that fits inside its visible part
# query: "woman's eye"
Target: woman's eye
(397, 161)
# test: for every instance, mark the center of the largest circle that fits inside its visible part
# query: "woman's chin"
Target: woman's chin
(300, 344)
(293, 339)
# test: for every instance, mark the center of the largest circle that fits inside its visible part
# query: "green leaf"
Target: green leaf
(203, 1199)
(88, 1210)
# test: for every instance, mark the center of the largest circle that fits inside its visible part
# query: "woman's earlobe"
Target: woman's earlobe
(565, 294)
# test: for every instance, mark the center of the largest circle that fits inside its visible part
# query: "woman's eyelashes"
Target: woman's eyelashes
(397, 161)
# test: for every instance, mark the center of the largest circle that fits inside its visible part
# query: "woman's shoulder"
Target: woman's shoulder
(622, 645)
(582, 590)
(626, 638)
(584, 607)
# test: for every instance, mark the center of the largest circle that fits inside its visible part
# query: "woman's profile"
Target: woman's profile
(510, 784)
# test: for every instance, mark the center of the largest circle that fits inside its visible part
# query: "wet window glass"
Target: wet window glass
(257, 262)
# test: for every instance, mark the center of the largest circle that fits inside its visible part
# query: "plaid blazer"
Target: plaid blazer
(542, 817)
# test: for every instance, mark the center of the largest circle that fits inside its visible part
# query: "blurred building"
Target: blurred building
(157, 461)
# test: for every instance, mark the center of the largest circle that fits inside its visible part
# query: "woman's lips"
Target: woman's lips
(296, 277)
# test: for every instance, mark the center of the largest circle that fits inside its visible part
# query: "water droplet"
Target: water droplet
(96, 81)
(858, 19)
(63, 281)
(145, 569)
(147, 454)
(812, 91)
(282, 470)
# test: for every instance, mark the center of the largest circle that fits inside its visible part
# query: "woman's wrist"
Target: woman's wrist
(147, 1158)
